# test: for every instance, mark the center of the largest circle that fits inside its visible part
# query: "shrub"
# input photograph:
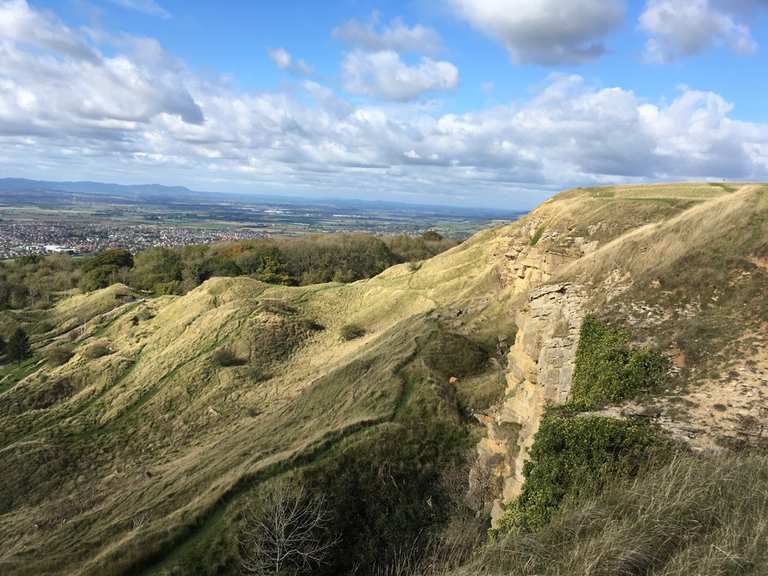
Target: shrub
(225, 357)
(575, 457)
(18, 346)
(451, 354)
(97, 350)
(58, 354)
(385, 491)
(352, 332)
(608, 370)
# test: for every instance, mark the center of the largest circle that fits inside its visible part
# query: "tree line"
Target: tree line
(35, 281)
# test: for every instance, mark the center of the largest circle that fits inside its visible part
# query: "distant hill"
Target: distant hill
(118, 193)
(624, 323)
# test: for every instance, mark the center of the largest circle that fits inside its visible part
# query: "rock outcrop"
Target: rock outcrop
(540, 369)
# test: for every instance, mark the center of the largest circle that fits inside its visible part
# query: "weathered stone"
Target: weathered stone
(540, 369)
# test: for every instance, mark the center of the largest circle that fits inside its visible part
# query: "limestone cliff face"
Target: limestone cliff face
(540, 368)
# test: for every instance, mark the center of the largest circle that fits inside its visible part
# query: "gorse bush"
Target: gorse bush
(609, 370)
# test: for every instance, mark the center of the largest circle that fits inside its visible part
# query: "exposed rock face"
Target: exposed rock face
(540, 370)
(531, 266)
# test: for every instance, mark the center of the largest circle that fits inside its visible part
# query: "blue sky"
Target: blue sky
(474, 102)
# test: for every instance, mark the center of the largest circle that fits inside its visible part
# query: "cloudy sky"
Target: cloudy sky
(468, 102)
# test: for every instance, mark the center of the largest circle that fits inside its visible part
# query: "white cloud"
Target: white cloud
(384, 75)
(22, 25)
(396, 36)
(680, 28)
(140, 115)
(285, 61)
(145, 6)
(547, 32)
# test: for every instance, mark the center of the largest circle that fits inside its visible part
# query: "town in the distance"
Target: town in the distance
(38, 217)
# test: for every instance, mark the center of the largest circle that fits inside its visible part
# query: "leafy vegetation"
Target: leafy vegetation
(609, 370)
(575, 457)
(384, 492)
(35, 281)
(18, 347)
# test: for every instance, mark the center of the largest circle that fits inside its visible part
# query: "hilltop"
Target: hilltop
(137, 454)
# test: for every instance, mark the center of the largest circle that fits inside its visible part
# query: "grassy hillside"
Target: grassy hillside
(140, 446)
(137, 454)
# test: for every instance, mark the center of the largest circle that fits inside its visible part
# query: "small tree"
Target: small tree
(2, 346)
(18, 346)
(286, 532)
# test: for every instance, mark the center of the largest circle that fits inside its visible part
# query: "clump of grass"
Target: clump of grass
(352, 332)
(452, 354)
(537, 236)
(225, 357)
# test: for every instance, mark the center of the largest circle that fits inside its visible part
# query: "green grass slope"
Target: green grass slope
(127, 456)
(135, 456)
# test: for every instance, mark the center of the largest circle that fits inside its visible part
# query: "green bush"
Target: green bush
(608, 370)
(117, 257)
(97, 350)
(576, 457)
(18, 347)
(225, 357)
(385, 492)
(352, 332)
(58, 355)
(451, 354)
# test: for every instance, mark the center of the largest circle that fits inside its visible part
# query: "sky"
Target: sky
(493, 103)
